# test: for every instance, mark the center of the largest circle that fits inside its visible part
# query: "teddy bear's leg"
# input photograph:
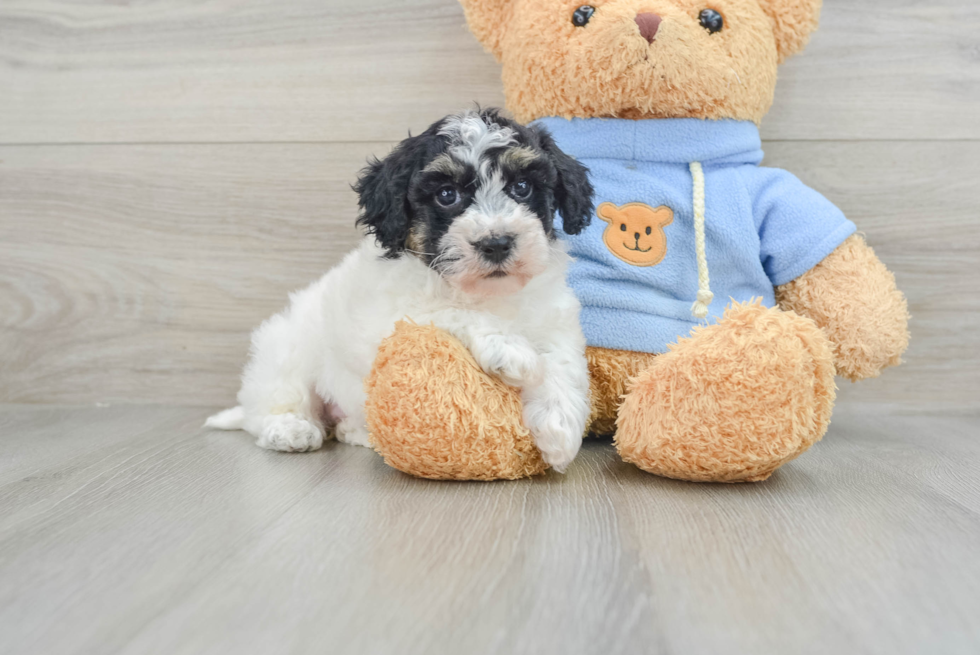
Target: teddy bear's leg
(609, 372)
(433, 413)
(732, 402)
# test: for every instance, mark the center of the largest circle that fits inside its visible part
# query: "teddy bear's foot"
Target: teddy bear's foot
(732, 402)
(433, 413)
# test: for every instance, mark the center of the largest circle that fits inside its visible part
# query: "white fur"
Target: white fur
(308, 363)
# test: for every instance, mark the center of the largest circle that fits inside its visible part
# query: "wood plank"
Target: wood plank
(132, 530)
(258, 70)
(129, 269)
(883, 70)
(135, 274)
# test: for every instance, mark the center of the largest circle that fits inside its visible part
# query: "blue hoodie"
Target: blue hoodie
(636, 266)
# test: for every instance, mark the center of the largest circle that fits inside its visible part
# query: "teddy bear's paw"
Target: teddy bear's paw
(557, 426)
(289, 433)
(510, 357)
(733, 402)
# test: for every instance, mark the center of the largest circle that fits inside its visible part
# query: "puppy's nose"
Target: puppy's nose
(648, 24)
(495, 249)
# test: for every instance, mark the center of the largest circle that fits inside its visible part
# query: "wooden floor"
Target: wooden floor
(133, 530)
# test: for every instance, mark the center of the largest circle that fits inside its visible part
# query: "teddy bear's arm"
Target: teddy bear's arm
(852, 296)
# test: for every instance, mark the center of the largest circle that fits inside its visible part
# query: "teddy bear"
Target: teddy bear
(719, 298)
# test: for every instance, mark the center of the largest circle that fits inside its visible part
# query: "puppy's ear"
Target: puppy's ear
(382, 190)
(488, 20)
(573, 191)
(793, 21)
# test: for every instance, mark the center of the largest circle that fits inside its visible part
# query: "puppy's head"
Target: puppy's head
(474, 197)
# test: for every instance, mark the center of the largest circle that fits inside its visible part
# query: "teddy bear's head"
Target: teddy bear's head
(641, 58)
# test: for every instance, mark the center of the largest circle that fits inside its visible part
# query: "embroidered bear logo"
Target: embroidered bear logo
(635, 232)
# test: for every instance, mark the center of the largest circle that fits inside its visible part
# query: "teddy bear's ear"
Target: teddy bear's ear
(488, 21)
(793, 22)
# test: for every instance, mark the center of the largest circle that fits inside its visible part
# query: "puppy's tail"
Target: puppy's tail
(230, 419)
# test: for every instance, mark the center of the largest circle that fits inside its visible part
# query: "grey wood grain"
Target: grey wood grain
(132, 530)
(135, 273)
(139, 262)
(308, 70)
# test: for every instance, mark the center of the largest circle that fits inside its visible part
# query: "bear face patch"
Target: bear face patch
(635, 233)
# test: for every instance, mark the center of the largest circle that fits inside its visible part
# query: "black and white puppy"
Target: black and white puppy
(460, 222)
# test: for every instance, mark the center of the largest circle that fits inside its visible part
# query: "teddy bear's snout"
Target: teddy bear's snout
(648, 24)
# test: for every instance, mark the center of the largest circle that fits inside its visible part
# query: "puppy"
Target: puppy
(460, 235)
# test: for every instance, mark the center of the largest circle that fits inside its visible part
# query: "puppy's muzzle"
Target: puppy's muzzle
(495, 249)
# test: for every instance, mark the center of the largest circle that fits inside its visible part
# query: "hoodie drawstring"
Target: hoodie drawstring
(700, 307)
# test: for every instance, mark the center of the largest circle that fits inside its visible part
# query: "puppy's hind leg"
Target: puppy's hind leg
(280, 407)
(343, 413)
(353, 430)
(289, 433)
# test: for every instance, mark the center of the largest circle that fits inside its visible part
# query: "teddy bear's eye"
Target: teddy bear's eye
(582, 15)
(622, 227)
(648, 230)
(711, 20)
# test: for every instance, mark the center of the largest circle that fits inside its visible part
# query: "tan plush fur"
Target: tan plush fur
(853, 297)
(553, 68)
(733, 401)
(610, 372)
(433, 413)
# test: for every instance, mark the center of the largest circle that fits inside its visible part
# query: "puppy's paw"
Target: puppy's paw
(353, 431)
(510, 357)
(557, 427)
(289, 433)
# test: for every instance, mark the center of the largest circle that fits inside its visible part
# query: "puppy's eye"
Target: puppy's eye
(648, 230)
(582, 15)
(622, 227)
(711, 20)
(447, 196)
(521, 189)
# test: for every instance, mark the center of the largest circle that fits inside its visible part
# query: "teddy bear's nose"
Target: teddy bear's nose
(648, 24)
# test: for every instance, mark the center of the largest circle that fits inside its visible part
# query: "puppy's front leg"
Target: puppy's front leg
(556, 409)
(554, 384)
(511, 357)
